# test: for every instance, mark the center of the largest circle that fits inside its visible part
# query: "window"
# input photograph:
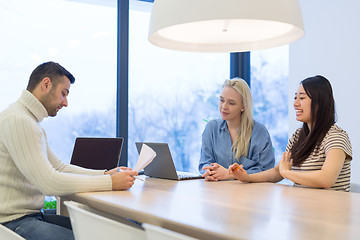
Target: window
(82, 38)
(269, 87)
(171, 94)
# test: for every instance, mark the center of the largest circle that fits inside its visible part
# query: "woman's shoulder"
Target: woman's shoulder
(295, 135)
(259, 127)
(336, 131)
(260, 130)
(215, 124)
(336, 128)
(336, 137)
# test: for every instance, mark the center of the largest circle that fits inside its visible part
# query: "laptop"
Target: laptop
(162, 166)
(97, 153)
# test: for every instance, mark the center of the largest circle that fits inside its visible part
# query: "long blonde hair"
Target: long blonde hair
(241, 144)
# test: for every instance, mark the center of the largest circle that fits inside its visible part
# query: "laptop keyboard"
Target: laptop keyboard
(186, 175)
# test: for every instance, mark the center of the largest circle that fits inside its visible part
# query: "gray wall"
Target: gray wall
(331, 47)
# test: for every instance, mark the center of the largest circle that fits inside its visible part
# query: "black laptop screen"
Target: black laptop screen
(97, 153)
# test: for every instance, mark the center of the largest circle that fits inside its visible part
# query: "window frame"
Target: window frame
(239, 67)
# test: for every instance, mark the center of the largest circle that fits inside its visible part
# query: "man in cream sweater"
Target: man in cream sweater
(29, 169)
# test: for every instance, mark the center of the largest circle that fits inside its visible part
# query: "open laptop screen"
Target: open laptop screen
(97, 153)
(163, 165)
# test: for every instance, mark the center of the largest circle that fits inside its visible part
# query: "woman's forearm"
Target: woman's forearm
(316, 179)
(271, 175)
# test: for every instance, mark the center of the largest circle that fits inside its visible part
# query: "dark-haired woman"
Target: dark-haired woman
(318, 154)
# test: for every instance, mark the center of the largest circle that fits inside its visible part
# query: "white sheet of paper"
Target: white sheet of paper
(145, 157)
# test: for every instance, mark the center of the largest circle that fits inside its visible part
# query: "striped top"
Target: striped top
(335, 138)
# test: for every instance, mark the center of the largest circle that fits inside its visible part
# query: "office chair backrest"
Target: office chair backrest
(8, 234)
(88, 224)
(159, 233)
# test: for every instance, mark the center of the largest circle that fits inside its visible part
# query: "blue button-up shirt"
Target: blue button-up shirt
(216, 148)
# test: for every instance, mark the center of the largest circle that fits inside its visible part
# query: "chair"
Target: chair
(355, 187)
(159, 233)
(8, 234)
(89, 223)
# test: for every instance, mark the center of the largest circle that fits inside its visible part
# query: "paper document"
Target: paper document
(145, 157)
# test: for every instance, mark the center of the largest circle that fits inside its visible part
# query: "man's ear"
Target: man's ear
(46, 84)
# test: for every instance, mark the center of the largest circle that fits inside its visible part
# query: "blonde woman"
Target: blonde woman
(236, 137)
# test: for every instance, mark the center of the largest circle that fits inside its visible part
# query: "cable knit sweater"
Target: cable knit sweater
(29, 169)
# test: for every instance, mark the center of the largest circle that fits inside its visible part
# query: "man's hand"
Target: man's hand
(115, 170)
(123, 180)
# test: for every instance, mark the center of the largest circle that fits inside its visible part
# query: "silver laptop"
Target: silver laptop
(162, 166)
(97, 153)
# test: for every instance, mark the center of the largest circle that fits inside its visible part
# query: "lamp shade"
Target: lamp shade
(224, 25)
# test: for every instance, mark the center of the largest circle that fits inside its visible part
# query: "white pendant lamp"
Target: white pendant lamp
(224, 25)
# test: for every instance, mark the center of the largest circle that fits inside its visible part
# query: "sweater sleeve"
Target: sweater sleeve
(27, 146)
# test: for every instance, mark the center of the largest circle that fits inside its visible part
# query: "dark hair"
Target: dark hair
(48, 69)
(318, 88)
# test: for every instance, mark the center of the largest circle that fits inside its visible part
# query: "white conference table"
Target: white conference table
(234, 210)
